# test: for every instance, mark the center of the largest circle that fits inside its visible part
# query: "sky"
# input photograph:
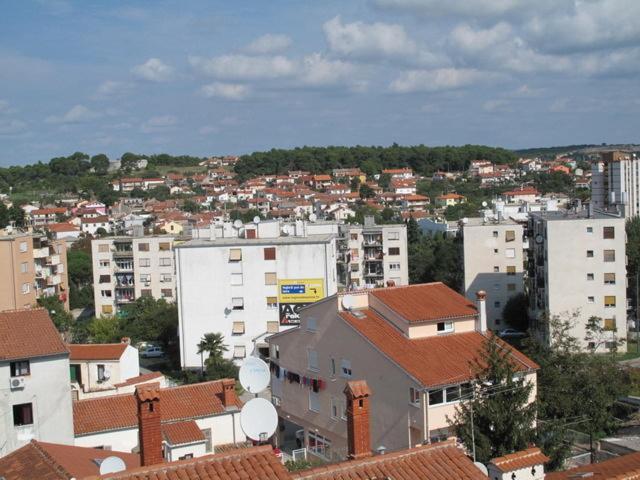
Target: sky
(207, 77)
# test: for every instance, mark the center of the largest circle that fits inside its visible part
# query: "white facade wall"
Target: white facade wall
(173, 453)
(47, 389)
(128, 366)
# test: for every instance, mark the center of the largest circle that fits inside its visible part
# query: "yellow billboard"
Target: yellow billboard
(302, 290)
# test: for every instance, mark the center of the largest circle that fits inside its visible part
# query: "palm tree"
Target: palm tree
(213, 344)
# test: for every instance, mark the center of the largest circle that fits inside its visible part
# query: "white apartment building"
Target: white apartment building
(249, 281)
(577, 265)
(127, 268)
(35, 397)
(493, 262)
(615, 183)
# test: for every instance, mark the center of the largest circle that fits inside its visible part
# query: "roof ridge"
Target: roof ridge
(49, 459)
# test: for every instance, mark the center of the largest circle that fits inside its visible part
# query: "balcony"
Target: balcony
(372, 242)
(53, 260)
(374, 258)
(122, 253)
(54, 280)
(374, 273)
(125, 300)
(41, 252)
(124, 267)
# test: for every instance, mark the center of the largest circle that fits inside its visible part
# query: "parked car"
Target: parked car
(511, 333)
(152, 352)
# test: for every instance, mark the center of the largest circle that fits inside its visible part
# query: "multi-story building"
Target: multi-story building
(35, 398)
(371, 255)
(412, 345)
(493, 262)
(615, 183)
(127, 268)
(577, 270)
(35, 266)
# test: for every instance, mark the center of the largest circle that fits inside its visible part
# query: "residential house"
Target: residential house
(450, 200)
(93, 225)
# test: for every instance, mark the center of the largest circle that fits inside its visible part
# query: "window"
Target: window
(145, 292)
(444, 327)
(314, 401)
(495, 234)
(394, 251)
(496, 304)
(436, 397)
(20, 368)
(143, 247)
(355, 267)
(511, 287)
(166, 293)
(272, 302)
(237, 303)
(335, 408)
(511, 270)
(105, 293)
(235, 254)
(107, 309)
(591, 299)
(22, 414)
(311, 324)
(273, 327)
(495, 250)
(270, 253)
(26, 288)
(453, 393)
(164, 246)
(608, 232)
(103, 248)
(312, 360)
(166, 278)
(236, 279)
(105, 279)
(165, 262)
(345, 368)
(510, 236)
(239, 351)
(145, 262)
(319, 445)
(610, 278)
(394, 236)
(237, 328)
(270, 278)
(24, 267)
(510, 253)
(354, 236)
(394, 266)
(105, 263)
(332, 366)
(609, 323)
(414, 396)
(609, 255)
(187, 456)
(590, 276)
(275, 351)
(610, 301)
(145, 277)
(496, 269)
(23, 247)
(589, 253)
(589, 229)
(355, 254)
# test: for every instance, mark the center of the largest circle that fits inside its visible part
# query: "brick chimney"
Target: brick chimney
(228, 393)
(149, 430)
(358, 432)
(481, 300)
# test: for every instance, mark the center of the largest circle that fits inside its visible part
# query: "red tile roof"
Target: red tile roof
(117, 412)
(62, 227)
(100, 219)
(258, 463)
(426, 302)
(624, 467)
(28, 333)
(98, 351)
(180, 433)
(51, 461)
(452, 196)
(49, 211)
(523, 459)
(436, 461)
(139, 379)
(433, 361)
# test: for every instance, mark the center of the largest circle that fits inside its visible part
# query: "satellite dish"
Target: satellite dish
(286, 229)
(482, 468)
(258, 419)
(237, 223)
(465, 220)
(313, 217)
(348, 302)
(484, 204)
(112, 465)
(256, 219)
(254, 375)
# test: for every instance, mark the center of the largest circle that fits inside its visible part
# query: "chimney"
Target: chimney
(228, 393)
(481, 322)
(149, 430)
(358, 432)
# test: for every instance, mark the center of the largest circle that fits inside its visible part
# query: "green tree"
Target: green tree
(516, 312)
(104, 330)
(499, 413)
(100, 163)
(191, 206)
(148, 319)
(4, 215)
(80, 271)
(61, 318)
(212, 344)
(17, 216)
(384, 181)
(355, 184)
(129, 162)
(366, 191)
(413, 231)
(633, 246)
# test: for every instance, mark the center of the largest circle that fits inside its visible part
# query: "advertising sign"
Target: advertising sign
(295, 294)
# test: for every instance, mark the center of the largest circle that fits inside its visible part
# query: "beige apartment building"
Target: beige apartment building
(413, 346)
(615, 183)
(127, 268)
(493, 262)
(35, 266)
(577, 267)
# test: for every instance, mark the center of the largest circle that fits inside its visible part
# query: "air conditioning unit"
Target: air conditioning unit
(17, 382)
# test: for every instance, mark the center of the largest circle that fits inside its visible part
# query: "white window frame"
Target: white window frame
(237, 279)
(312, 360)
(414, 396)
(314, 401)
(449, 327)
(393, 236)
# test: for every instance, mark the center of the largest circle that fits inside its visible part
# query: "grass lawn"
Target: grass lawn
(632, 351)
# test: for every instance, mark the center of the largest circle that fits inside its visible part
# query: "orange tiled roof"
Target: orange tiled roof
(97, 351)
(258, 463)
(624, 467)
(62, 227)
(426, 302)
(433, 361)
(436, 461)
(51, 461)
(453, 196)
(139, 379)
(49, 211)
(524, 459)
(180, 433)
(116, 412)
(28, 333)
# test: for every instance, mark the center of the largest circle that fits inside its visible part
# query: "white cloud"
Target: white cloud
(112, 88)
(496, 105)
(269, 43)
(159, 123)
(11, 126)
(77, 114)
(208, 129)
(317, 70)
(153, 70)
(481, 8)
(244, 67)
(437, 80)
(230, 91)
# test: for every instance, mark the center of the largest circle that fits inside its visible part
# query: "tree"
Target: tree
(213, 344)
(355, 184)
(129, 162)
(499, 412)
(104, 330)
(148, 319)
(4, 215)
(413, 231)
(633, 246)
(597, 334)
(80, 271)
(384, 181)
(366, 191)
(100, 163)
(17, 216)
(61, 318)
(516, 312)
(191, 206)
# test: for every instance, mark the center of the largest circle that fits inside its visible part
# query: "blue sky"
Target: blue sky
(231, 77)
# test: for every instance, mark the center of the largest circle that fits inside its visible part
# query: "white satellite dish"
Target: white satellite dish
(256, 219)
(465, 220)
(482, 468)
(258, 419)
(484, 204)
(348, 302)
(286, 229)
(237, 223)
(112, 465)
(313, 217)
(254, 375)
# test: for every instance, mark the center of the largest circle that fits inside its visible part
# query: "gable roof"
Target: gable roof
(433, 361)
(180, 433)
(425, 302)
(624, 467)
(436, 461)
(28, 333)
(523, 459)
(97, 351)
(116, 412)
(145, 377)
(51, 461)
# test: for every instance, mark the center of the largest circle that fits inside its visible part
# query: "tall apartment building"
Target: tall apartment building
(371, 255)
(127, 268)
(577, 265)
(493, 262)
(615, 183)
(35, 266)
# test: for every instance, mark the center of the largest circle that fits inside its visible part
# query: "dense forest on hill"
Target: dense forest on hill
(550, 152)
(371, 160)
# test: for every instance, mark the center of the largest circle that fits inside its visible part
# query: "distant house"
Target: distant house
(63, 230)
(398, 172)
(450, 199)
(480, 167)
(91, 226)
(522, 194)
(45, 216)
